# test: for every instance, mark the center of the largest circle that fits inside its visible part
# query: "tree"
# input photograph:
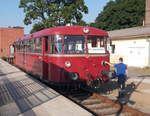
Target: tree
(120, 14)
(50, 13)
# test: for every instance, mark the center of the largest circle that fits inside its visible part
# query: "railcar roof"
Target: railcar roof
(65, 30)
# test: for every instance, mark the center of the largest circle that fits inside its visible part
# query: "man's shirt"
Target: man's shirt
(120, 69)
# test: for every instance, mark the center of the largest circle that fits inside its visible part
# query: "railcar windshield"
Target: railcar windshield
(74, 44)
(96, 44)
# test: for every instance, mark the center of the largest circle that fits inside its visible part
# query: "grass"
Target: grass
(144, 69)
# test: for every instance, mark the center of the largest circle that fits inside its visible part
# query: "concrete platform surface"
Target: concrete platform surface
(25, 96)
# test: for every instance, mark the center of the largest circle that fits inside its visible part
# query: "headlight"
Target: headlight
(74, 76)
(86, 30)
(68, 64)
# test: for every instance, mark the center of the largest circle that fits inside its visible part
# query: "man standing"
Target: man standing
(121, 72)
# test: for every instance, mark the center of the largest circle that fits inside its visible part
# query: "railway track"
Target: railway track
(99, 105)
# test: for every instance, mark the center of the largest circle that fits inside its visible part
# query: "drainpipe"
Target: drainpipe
(148, 40)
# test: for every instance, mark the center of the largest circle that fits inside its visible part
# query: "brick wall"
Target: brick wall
(7, 37)
(147, 13)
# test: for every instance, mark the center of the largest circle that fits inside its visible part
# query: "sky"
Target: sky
(11, 15)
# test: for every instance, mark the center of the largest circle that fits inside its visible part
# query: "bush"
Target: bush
(4, 58)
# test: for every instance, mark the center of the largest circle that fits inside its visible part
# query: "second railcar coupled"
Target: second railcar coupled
(65, 54)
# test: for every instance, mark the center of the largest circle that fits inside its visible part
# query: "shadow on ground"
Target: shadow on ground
(22, 94)
(107, 89)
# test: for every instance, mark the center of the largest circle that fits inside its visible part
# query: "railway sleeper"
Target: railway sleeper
(120, 114)
(75, 99)
(90, 101)
(78, 99)
(106, 111)
(81, 98)
(98, 106)
(80, 94)
(122, 108)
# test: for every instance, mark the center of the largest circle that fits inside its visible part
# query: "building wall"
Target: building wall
(147, 13)
(134, 52)
(132, 43)
(7, 37)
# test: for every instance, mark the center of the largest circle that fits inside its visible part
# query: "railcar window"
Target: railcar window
(46, 43)
(21, 46)
(56, 44)
(74, 44)
(25, 45)
(28, 46)
(17, 46)
(96, 44)
(32, 46)
(37, 45)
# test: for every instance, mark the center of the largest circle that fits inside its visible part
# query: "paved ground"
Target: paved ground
(24, 96)
(137, 90)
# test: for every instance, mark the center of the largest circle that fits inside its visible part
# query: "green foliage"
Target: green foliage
(44, 13)
(4, 58)
(119, 14)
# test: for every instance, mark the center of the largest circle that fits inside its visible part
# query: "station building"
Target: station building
(7, 37)
(133, 44)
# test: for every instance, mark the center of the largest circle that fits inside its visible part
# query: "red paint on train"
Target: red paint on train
(64, 54)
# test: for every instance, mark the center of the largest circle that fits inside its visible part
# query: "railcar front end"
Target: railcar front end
(82, 58)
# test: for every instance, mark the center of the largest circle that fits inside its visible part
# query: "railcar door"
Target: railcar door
(45, 57)
(37, 54)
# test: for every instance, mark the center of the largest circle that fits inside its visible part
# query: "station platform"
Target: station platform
(22, 95)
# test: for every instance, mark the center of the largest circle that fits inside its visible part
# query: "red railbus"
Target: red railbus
(62, 55)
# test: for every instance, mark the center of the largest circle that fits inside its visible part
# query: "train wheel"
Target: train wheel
(96, 84)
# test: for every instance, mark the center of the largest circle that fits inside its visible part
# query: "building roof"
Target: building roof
(141, 31)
